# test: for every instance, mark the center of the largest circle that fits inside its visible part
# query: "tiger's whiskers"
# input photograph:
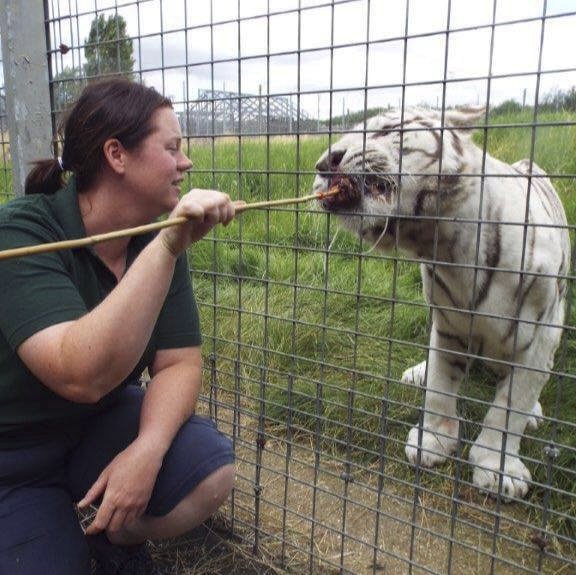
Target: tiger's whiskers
(373, 246)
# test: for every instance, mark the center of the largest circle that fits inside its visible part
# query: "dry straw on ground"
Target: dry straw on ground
(296, 538)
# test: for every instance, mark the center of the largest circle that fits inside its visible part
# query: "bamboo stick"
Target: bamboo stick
(139, 230)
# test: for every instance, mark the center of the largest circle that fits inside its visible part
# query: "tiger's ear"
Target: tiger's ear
(464, 118)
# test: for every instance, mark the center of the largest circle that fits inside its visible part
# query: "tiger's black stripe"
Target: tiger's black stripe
(491, 259)
(453, 338)
(438, 281)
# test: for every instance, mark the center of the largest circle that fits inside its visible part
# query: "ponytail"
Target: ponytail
(45, 177)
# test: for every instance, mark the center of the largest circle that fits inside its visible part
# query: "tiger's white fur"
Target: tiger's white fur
(496, 286)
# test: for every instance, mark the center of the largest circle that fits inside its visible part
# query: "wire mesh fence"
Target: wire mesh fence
(308, 332)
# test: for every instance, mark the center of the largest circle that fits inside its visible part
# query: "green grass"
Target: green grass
(6, 190)
(553, 140)
(329, 332)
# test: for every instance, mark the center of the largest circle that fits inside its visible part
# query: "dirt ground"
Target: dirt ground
(291, 516)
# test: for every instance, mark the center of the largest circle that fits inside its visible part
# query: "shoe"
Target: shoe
(109, 559)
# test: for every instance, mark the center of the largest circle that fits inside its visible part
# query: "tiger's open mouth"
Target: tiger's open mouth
(347, 196)
(350, 190)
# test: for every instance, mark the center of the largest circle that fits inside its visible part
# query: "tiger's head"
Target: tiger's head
(397, 169)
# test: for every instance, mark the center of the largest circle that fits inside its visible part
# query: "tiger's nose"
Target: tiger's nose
(330, 162)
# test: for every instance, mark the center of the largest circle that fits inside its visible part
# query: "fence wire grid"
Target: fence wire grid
(307, 330)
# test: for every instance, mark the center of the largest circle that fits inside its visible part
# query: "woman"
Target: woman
(78, 328)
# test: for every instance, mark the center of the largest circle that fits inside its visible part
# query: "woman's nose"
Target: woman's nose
(185, 164)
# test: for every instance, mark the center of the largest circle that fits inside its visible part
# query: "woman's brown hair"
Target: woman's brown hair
(115, 108)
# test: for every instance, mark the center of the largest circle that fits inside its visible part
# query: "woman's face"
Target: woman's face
(157, 167)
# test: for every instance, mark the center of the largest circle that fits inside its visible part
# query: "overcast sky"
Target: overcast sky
(329, 54)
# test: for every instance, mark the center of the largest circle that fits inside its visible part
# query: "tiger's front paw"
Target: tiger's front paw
(536, 417)
(435, 447)
(515, 475)
(415, 375)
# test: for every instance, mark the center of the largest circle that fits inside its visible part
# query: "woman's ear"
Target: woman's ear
(115, 155)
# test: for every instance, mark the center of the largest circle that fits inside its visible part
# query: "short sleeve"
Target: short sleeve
(35, 291)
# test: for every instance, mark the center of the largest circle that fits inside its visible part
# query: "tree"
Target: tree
(67, 86)
(560, 100)
(108, 49)
(510, 106)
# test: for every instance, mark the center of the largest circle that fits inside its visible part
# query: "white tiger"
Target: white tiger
(493, 268)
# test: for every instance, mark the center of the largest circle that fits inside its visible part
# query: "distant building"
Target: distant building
(220, 112)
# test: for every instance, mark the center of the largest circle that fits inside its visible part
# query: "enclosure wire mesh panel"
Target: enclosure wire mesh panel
(308, 332)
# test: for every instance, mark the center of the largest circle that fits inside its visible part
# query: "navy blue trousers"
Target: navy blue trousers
(39, 529)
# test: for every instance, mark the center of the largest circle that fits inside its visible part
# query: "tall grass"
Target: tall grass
(319, 339)
(6, 191)
(552, 136)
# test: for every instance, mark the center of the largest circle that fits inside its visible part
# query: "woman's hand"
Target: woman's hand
(125, 487)
(204, 209)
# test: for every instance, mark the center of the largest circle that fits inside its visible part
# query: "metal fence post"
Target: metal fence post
(26, 78)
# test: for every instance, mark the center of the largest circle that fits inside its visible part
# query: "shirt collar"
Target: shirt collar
(68, 210)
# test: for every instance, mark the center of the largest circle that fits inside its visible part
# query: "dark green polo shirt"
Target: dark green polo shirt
(42, 290)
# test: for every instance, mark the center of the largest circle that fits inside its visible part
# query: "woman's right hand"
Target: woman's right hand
(124, 487)
(204, 209)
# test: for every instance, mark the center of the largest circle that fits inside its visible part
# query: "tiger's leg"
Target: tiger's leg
(438, 437)
(504, 425)
(515, 404)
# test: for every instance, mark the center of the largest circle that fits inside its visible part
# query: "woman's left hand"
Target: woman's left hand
(125, 487)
